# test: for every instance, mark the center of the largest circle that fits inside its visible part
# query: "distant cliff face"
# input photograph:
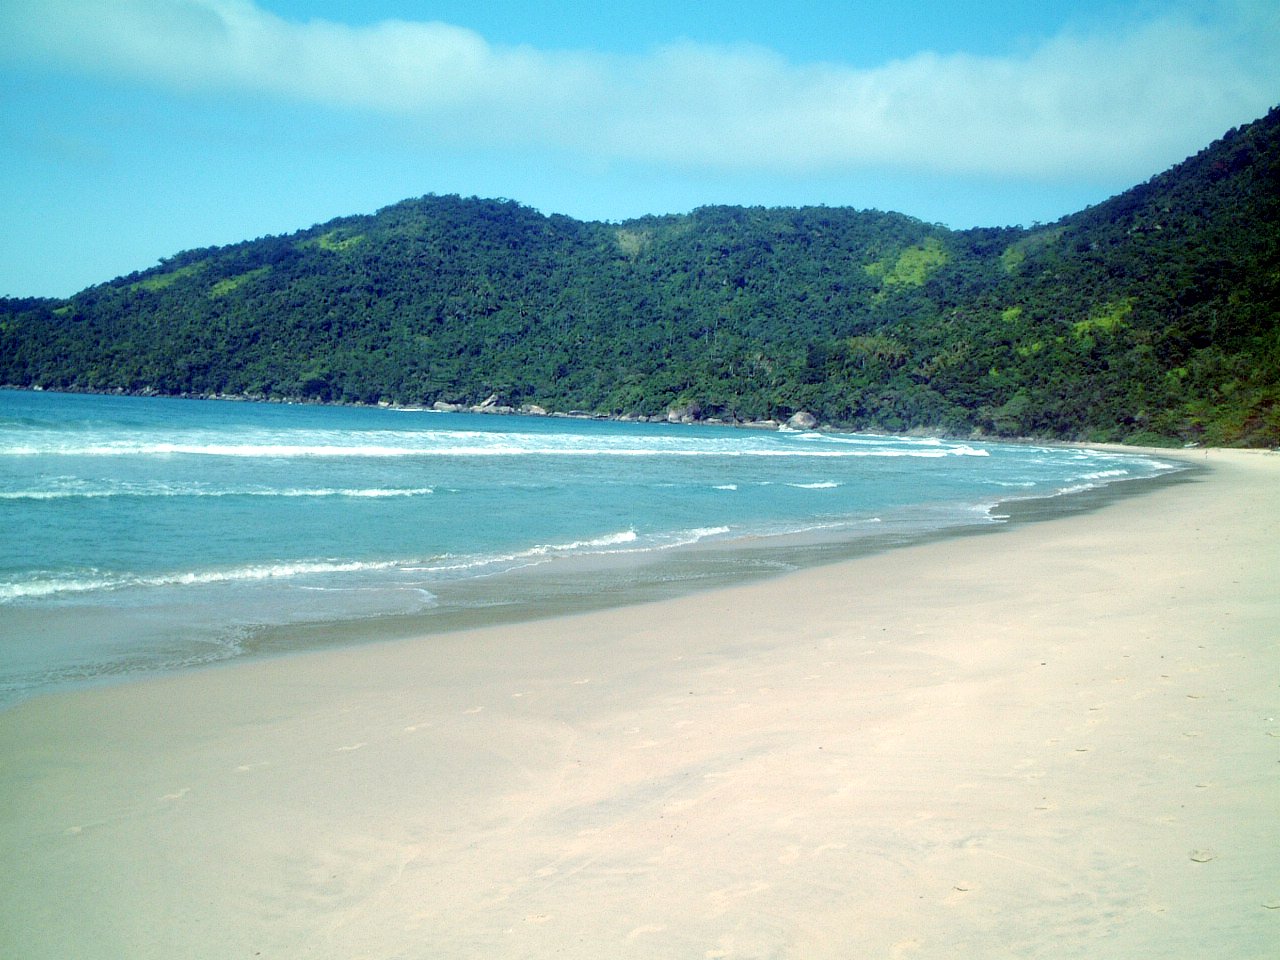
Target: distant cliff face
(1151, 317)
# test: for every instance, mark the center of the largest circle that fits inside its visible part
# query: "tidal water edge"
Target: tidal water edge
(145, 534)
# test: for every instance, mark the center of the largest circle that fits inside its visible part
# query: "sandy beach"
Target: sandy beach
(1058, 740)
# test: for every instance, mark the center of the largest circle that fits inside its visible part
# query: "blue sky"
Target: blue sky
(133, 129)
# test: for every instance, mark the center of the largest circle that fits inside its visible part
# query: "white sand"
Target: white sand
(1060, 740)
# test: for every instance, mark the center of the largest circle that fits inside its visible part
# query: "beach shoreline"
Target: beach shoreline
(168, 537)
(1058, 741)
(569, 585)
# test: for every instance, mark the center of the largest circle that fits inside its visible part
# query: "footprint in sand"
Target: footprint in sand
(641, 931)
(724, 948)
(724, 898)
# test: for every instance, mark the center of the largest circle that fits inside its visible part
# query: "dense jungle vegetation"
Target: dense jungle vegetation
(1151, 317)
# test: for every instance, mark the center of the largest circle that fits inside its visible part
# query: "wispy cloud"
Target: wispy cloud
(1116, 104)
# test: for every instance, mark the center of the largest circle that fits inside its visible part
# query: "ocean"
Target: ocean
(143, 534)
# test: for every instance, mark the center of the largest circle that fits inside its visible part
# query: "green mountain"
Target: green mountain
(1151, 317)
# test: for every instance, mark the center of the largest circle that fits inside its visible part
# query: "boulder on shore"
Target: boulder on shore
(802, 420)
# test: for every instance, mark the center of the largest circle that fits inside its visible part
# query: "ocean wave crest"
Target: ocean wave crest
(374, 493)
(538, 552)
(49, 586)
(393, 444)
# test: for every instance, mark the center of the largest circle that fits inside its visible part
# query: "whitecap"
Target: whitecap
(535, 553)
(49, 586)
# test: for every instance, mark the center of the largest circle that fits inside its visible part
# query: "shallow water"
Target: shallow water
(144, 534)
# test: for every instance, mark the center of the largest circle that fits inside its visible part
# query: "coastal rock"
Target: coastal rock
(691, 413)
(802, 420)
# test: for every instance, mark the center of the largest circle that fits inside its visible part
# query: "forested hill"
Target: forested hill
(1151, 316)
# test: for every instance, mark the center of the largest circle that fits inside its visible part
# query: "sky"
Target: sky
(131, 130)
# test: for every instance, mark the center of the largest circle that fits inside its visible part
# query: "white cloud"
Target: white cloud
(1097, 105)
(393, 66)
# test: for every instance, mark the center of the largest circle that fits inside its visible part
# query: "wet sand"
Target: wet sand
(1060, 740)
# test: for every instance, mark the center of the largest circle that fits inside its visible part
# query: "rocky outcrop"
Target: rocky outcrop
(802, 420)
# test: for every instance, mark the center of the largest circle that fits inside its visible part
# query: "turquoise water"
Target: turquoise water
(141, 534)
